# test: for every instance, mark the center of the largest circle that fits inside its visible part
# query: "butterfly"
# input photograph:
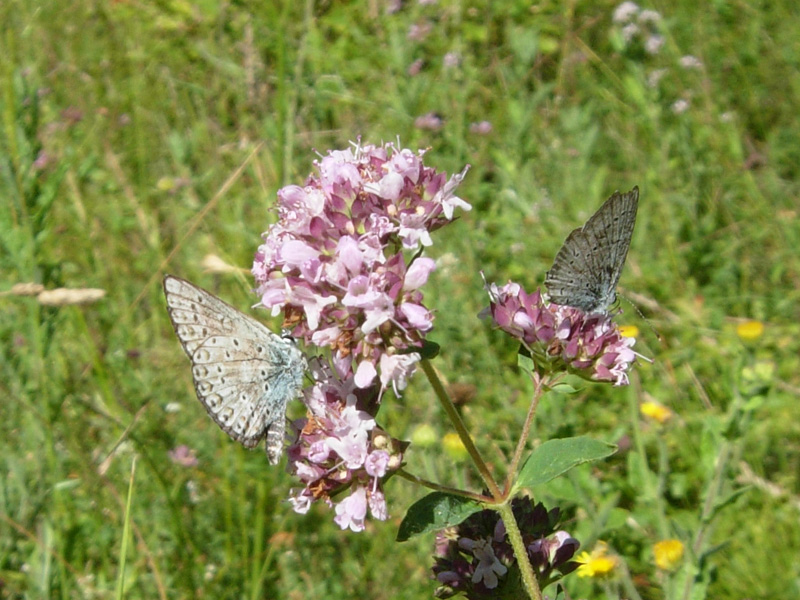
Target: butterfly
(244, 374)
(586, 270)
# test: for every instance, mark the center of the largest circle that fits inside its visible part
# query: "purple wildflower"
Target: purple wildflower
(415, 67)
(183, 455)
(481, 128)
(432, 121)
(336, 264)
(476, 559)
(557, 336)
(43, 159)
(339, 447)
(419, 31)
(334, 261)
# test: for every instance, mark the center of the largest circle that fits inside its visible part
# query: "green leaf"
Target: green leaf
(435, 511)
(726, 501)
(556, 457)
(564, 388)
(524, 361)
(428, 350)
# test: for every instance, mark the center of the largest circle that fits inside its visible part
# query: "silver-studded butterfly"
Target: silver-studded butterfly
(586, 270)
(244, 374)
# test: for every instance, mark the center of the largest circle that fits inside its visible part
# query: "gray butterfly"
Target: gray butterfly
(243, 373)
(586, 270)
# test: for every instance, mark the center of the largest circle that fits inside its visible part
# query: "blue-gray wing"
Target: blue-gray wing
(244, 375)
(588, 266)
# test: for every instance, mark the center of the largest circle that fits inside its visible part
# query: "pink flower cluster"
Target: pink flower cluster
(339, 447)
(334, 263)
(344, 265)
(557, 336)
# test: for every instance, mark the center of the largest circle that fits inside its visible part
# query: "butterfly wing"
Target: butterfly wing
(588, 266)
(244, 374)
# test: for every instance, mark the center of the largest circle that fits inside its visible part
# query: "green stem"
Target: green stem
(501, 503)
(539, 382)
(442, 488)
(529, 580)
(725, 456)
(461, 429)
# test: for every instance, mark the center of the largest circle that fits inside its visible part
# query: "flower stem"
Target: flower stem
(539, 382)
(441, 488)
(529, 581)
(460, 428)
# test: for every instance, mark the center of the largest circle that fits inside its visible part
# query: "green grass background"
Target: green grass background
(145, 116)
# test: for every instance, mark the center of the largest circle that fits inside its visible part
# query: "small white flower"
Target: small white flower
(625, 12)
(451, 60)
(654, 78)
(194, 495)
(210, 572)
(630, 31)
(690, 62)
(649, 16)
(653, 44)
(680, 106)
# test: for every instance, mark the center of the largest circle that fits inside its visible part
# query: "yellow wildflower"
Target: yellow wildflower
(454, 446)
(668, 553)
(749, 331)
(630, 331)
(597, 564)
(657, 412)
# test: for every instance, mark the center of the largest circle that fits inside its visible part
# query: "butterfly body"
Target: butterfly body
(588, 266)
(244, 374)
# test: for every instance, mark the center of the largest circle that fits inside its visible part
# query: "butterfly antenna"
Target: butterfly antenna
(645, 319)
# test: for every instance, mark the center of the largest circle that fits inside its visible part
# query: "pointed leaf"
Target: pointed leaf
(556, 457)
(564, 388)
(435, 511)
(524, 361)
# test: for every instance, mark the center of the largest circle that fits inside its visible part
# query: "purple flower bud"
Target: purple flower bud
(476, 559)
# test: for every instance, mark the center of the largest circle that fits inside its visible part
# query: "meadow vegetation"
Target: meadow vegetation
(140, 138)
